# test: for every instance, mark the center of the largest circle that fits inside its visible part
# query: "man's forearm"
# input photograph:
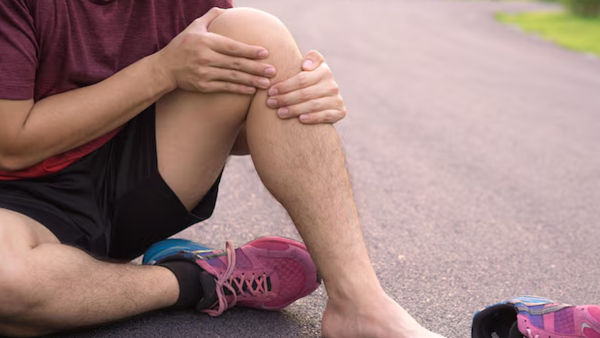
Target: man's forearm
(70, 119)
(194, 60)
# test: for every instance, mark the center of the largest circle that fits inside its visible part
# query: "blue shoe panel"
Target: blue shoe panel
(168, 247)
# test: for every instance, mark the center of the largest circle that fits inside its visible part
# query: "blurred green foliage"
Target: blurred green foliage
(568, 30)
(587, 8)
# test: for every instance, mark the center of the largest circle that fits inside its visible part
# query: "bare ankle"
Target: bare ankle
(356, 294)
(381, 316)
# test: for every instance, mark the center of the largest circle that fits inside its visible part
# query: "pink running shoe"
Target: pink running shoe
(536, 317)
(268, 273)
(560, 321)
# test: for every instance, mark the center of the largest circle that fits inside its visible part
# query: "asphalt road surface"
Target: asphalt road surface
(475, 154)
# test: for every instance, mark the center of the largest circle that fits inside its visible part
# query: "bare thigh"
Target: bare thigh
(194, 135)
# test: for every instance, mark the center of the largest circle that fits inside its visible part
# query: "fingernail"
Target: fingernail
(307, 64)
(304, 118)
(264, 83)
(283, 112)
(273, 91)
(270, 71)
(263, 53)
(272, 103)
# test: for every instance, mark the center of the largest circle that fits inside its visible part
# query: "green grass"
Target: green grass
(581, 34)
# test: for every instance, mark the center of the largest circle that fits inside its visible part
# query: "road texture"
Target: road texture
(475, 154)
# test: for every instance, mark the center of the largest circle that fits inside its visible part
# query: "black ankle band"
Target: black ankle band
(188, 276)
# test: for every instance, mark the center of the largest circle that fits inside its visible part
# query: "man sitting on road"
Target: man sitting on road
(116, 120)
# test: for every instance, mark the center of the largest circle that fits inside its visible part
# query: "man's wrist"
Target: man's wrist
(161, 74)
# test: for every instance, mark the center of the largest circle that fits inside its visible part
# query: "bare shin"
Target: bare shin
(303, 165)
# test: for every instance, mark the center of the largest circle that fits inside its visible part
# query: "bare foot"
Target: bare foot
(380, 317)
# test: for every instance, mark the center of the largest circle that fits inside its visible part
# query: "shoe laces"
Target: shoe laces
(242, 284)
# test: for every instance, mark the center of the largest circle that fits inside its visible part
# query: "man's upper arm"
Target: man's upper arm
(18, 64)
(18, 51)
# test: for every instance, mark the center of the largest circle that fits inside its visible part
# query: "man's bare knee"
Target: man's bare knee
(18, 236)
(22, 231)
(256, 27)
(17, 291)
(248, 24)
(16, 285)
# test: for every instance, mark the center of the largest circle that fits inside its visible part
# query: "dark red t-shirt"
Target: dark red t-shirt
(52, 46)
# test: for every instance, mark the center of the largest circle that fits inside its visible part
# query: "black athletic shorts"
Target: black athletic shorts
(112, 203)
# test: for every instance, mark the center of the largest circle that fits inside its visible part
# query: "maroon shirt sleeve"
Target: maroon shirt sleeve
(18, 51)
